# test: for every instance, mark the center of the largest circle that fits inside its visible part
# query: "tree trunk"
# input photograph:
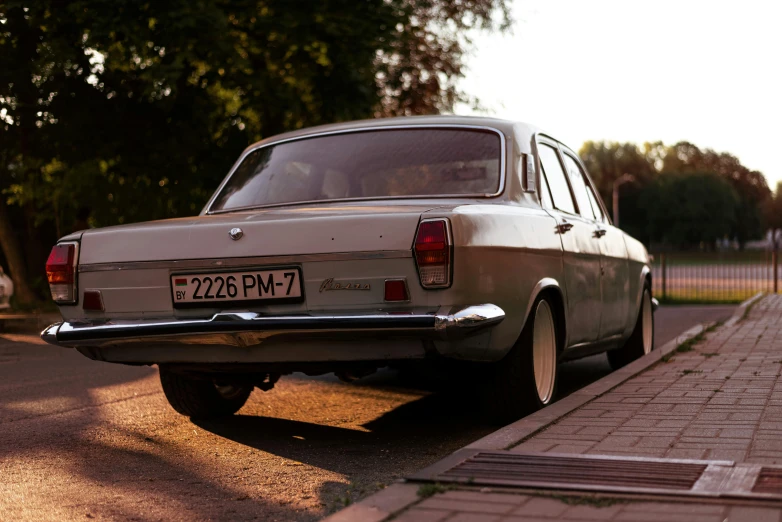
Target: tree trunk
(13, 255)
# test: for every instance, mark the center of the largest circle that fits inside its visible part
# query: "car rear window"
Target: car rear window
(366, 164)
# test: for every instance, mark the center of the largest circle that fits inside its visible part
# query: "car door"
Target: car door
(614, 268)
(581, 253)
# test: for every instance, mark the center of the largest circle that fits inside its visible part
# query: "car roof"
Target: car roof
(507, 127)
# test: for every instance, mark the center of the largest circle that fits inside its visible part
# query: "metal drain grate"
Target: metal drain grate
(607, 474)
(769, 481)
(518, 469)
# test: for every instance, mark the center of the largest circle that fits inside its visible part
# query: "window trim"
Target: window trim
(566, 153)
(377, 128)
(590, 183)
(541, 181)
(542, 139)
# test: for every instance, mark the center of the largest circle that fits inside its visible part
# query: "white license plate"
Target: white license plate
(247, 285)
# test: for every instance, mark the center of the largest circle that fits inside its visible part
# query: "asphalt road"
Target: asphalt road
(81, 439)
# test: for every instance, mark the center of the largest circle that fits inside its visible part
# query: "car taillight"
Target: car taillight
(433, 253)
(61, 272)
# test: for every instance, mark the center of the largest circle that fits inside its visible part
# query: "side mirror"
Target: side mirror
(530, 179)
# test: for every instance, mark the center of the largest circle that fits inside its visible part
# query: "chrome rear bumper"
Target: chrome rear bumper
(248, 328)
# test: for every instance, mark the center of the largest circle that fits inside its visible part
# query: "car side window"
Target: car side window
(545, 193)
(552, 168)
(579, 187)
(595, 205)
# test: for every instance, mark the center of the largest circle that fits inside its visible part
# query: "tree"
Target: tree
(772, 211)
(129, 111)
(685, 209)
(608, 161)
(750, 185)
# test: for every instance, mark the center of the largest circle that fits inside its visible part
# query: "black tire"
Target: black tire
(633, 349)
(511, 390)
(200, 397)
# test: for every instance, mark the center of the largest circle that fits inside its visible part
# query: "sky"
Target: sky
(708, 72)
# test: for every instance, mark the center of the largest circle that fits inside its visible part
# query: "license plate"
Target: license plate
(247, 285)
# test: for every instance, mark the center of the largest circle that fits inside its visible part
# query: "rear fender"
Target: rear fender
(637, 293)
(646, 272)
(550, 284)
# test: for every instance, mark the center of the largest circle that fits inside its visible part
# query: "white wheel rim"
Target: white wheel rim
(544, 352)
(648, 325)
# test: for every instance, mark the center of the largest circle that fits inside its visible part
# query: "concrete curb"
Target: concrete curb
(379, 506)
(743, 308)
(399, 496)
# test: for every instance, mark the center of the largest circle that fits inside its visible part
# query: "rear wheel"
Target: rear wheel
(526, 379)
(202, 397)
(641, 341)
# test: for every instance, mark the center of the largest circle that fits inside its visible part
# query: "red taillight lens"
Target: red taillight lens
(61, 272)
(396, 290)
(433, 253)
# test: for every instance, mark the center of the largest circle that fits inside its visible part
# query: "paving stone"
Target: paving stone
(633, 516)
(542, 506)
(586, 512)
(672, 423)
(754, 514)
(655, 442)
(736, 433)
(674, 507)
(680, 453)
(643, 423)
(562, 429)
(534, 445)
(722, 441)
(619, 441)
(701, 432)
(474, 517)
(771, 445)
(595, 430)
(570, 448)
(469, 506)
(629, 452)
(726, 454)
(479, 496)
(423, 515)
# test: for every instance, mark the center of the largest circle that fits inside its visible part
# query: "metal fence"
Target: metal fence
(714, 276)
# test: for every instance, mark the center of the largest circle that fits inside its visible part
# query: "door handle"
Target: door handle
(564, 226)
(600, 232)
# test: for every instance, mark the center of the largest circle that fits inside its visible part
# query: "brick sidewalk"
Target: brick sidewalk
(474, 506)
(721, 400)
(718, 399)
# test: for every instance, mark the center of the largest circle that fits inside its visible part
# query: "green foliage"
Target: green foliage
(689, 209)
(595, 501)
(772, 210)
(429, 489)
(750, 186)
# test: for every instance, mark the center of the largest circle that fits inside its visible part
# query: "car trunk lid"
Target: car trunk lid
(270, 232)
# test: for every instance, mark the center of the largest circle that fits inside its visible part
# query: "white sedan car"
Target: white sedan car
(477, 245)
(6, 290)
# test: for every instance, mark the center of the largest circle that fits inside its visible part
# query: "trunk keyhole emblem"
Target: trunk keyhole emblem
(236, 233)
